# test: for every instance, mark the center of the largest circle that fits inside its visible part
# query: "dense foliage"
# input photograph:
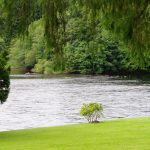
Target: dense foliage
(85, 50)
(129, 18)
(90, 51)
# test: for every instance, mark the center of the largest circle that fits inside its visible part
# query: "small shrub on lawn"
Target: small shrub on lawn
(92, 111)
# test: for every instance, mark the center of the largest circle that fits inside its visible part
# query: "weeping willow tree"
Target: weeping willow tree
(128, 19)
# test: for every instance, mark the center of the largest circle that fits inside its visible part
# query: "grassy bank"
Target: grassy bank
(125, 134)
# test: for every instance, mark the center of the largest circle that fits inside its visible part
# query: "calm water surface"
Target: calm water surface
(41, 102)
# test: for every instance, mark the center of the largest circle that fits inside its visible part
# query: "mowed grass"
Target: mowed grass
(124, 134)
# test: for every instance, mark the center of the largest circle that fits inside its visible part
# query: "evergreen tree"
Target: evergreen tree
(4, 73)
(4, 70)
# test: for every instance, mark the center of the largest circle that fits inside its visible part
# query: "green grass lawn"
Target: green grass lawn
(124, 134)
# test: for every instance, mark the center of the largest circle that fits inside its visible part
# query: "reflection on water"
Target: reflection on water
(40, 102)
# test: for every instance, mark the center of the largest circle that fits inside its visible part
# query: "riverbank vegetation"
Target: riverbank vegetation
(110, 135)
(81, 43)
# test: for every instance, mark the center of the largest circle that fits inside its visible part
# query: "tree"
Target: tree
(4, 74)
(90, 53)
(4, 69)
(92, 111)
(128, 18)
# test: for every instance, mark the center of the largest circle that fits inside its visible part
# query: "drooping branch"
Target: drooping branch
(130, 19)
(54, 16)
(20, 14)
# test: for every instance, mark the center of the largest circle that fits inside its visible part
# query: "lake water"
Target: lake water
(40, 102)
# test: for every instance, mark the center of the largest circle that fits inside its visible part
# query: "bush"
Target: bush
(92, 111)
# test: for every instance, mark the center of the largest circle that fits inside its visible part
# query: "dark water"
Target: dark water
(40, 102)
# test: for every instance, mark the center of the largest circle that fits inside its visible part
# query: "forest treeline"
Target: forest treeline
(85, 50)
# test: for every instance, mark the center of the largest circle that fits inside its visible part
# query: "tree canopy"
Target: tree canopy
(130, 19)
